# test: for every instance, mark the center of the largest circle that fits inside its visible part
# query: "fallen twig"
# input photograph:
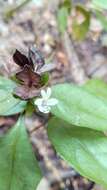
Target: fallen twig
(75, 68)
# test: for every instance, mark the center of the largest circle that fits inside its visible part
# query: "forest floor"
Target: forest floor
(36, 23)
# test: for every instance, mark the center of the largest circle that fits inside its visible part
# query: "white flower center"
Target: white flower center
(45, 103)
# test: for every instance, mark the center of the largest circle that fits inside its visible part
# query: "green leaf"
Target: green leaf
(84, 149)
(79, 30)
(67, 4)
(97, 87)
(102, 4)
(62, 17)
(9, 105)
(18, 167)
(45, 78)
(79, 107)
(7, 83)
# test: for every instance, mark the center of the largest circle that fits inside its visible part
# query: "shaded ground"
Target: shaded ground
(70, 61)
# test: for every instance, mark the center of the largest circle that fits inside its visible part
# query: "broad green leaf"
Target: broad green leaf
(81, 22)
(6, 83)
(102, 4)
(18, 167)
(79, 107)
(84, 149)
(9, 105)
(97, 87)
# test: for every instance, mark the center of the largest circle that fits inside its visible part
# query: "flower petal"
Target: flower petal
(43, 94)
(38, 101)
(44, 109)
(52, 102)
(48, 92)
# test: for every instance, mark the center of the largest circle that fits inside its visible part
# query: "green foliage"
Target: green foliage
(8, 103)
(102, 4)
(80, 27)
(97, 87)
(62, 15)
(79, 30)
(62, 19)
(67, 4)
(77, 137)
(84, 149)
(6, 83)
(18, 167)
(45, 78)
(80, 107)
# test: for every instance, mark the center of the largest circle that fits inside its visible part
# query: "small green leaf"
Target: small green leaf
(67, 4)
(102, 4)
(79, 30)
(62, 17)
(84, 149)
(18, 167)
(79, 107)
(44, 78)
(9, 105)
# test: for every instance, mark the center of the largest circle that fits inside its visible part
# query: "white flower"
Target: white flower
(45, 103)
